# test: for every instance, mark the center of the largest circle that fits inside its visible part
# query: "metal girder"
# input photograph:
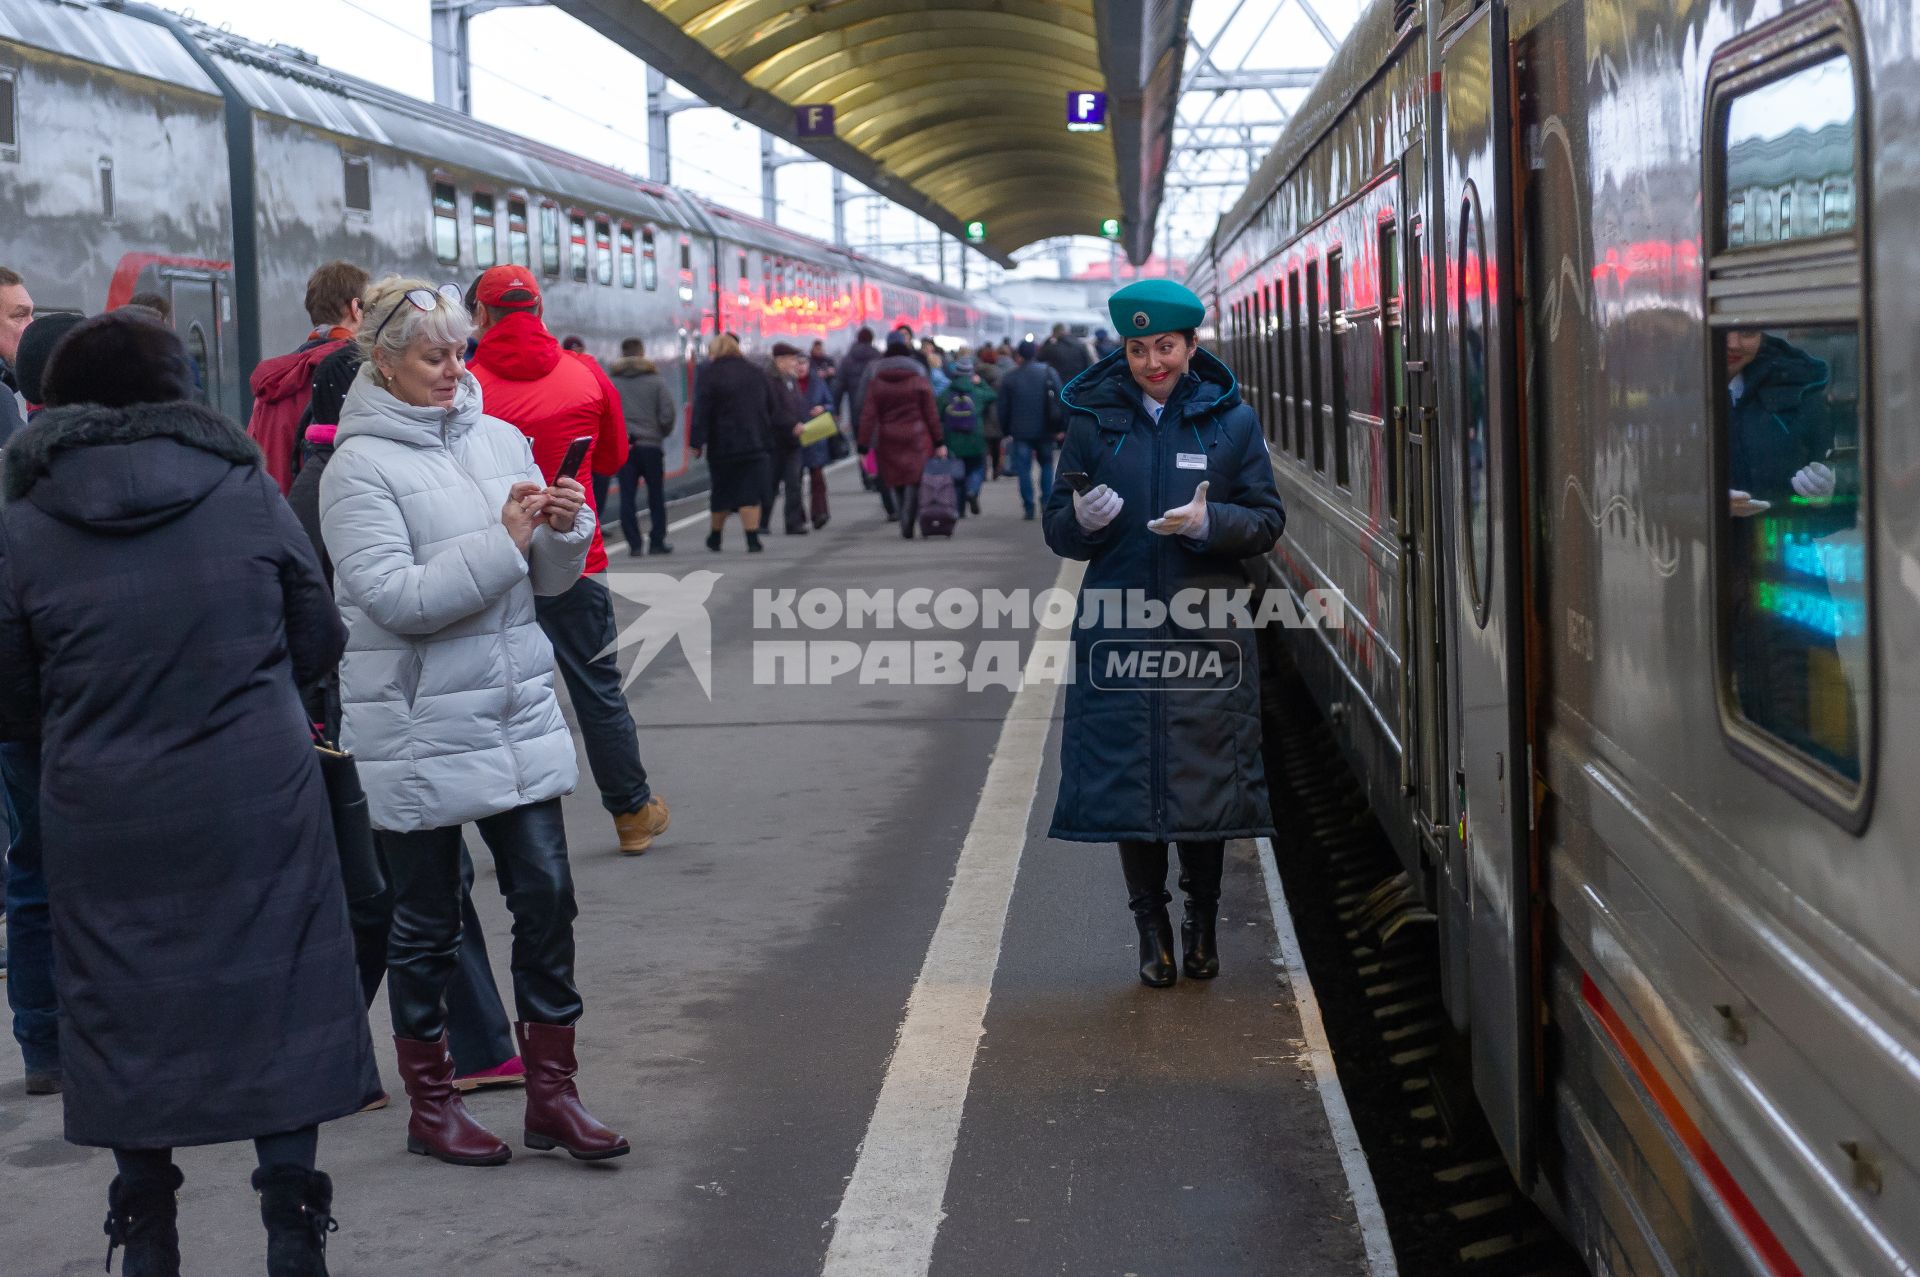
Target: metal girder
(1142, 46)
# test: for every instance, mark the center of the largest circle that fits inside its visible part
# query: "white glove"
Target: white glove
(1096, 507)
(1815, 482)
(1189, 520)
(1743, 505)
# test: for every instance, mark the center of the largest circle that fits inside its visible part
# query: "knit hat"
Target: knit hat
(37, 345)
(120, 358)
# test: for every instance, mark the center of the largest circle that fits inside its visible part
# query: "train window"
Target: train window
(1298, 386)
(1314, 396)
(197, 351)
(1788, 354)
(1470, 358)
(1393, 356)
(649, 263)
(1336, 369)
(519, 244)
(356, 173)
(743, 271)
(686, 255)
(106, 188)
(9, 114)
(550, 239)
(446, 222)
(577, 247)
(485, 246)
(629, 273)
(603, 251)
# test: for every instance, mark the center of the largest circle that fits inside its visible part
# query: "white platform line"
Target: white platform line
(1346, 1140)
(891, 1211)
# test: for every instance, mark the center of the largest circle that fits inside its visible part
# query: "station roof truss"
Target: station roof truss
(953, 109)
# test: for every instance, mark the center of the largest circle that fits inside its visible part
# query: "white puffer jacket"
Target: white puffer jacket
(447, 685)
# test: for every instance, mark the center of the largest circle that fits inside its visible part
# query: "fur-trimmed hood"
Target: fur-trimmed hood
(633, 366)
(124, 469)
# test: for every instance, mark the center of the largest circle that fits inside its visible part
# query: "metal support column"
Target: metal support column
(659, 139)
(769, 179)
(452, 48)
(840, 198)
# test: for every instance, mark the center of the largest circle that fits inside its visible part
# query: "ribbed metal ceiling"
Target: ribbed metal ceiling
(953, 108)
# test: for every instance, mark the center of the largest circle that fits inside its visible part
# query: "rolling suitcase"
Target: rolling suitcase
(940, 496)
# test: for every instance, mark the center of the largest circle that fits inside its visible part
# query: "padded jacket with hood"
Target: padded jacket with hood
(447, 685)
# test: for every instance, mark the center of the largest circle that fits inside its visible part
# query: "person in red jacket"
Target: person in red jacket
(283, 386)
(556, 396)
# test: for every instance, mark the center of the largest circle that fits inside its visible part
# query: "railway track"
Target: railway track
(1452, 1209)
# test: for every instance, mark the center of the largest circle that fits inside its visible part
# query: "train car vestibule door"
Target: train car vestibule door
(196, 317)
(1478, 436)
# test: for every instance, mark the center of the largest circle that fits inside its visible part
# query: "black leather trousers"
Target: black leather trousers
(529, 846)
(1145, 865)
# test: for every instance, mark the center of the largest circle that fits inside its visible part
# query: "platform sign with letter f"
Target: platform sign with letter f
(1086, 111)
(813, 121)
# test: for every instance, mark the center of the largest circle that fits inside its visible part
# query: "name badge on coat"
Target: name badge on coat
(1190, 461)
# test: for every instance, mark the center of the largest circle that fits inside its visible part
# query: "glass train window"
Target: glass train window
(1299, 384)
(356, 174)
(9, 114)
(197, 351)
(485, 246)
(1470, 359)
(629, 273)
(649, 263)
(106, 188)
(577, 247)
(1312, 338)
(1790, 417)
(743, 271)
(1336, 369)
(1791, 134)
(603, 251)
(519, 245)
(686, 255)
(446, 222)
(550, 239)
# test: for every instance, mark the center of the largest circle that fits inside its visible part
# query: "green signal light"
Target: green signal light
(1110, 228)
(976, 231)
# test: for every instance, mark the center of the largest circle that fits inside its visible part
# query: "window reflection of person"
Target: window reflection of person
(1779, 437)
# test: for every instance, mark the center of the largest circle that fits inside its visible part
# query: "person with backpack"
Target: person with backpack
(964, 410)
(1166, 486)
(900, 425)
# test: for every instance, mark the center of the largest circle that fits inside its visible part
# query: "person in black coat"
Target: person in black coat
(1179, 489)
(160, 610)
(734, 409)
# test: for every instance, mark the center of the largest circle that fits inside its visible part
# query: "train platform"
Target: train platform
(857, 1013)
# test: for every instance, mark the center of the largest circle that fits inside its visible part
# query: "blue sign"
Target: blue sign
(813, 121)
(1086, 112)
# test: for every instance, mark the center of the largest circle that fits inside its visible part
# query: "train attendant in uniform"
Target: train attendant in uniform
(1165, 485)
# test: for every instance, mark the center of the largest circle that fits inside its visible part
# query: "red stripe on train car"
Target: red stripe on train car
(126, 276)
(1777, 1259)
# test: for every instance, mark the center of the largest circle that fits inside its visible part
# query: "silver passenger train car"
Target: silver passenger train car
(142, 151)
(1580, 333)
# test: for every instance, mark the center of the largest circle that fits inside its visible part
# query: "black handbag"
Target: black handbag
(352, 826)
(838, 449)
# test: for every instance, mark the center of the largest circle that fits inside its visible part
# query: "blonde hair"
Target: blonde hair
(723, 346)
(399, 323)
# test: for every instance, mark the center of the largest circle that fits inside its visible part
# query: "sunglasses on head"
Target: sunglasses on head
(423, 300)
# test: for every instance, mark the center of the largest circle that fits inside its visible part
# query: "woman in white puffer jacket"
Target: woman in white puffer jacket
(442, 531)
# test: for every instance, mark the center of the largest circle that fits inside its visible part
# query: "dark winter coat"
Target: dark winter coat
(1780, 423)
(853, 374)
(898, 420)
(645, 400)
(1066, 356)
(1141, 759)
(11, 417)
(159, 609)
(1026, 407)
(733, 410)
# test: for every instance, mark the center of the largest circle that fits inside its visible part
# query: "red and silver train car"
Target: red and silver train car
(1580, 334)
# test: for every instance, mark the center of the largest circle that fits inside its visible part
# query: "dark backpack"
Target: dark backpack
(960, 416)
(940, 496)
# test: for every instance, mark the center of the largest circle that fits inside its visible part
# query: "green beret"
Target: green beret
(1155, 306)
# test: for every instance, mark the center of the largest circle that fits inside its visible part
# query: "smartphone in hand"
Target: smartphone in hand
(576, 453)
(1078, 480)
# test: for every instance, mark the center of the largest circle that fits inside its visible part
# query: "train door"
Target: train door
(1479, 434)
(196, 317)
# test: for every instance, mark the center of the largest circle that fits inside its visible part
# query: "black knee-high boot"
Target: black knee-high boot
(1145, 867)
(1201, 864)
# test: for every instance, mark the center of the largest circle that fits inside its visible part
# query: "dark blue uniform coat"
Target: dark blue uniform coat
(159, 606)
(1145, 759)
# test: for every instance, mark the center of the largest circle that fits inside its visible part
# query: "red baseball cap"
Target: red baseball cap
(508, 288)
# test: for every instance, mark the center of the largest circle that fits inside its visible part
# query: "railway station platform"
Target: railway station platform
(784, 1001)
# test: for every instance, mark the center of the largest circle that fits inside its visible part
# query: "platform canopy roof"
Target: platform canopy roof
(955, 109)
